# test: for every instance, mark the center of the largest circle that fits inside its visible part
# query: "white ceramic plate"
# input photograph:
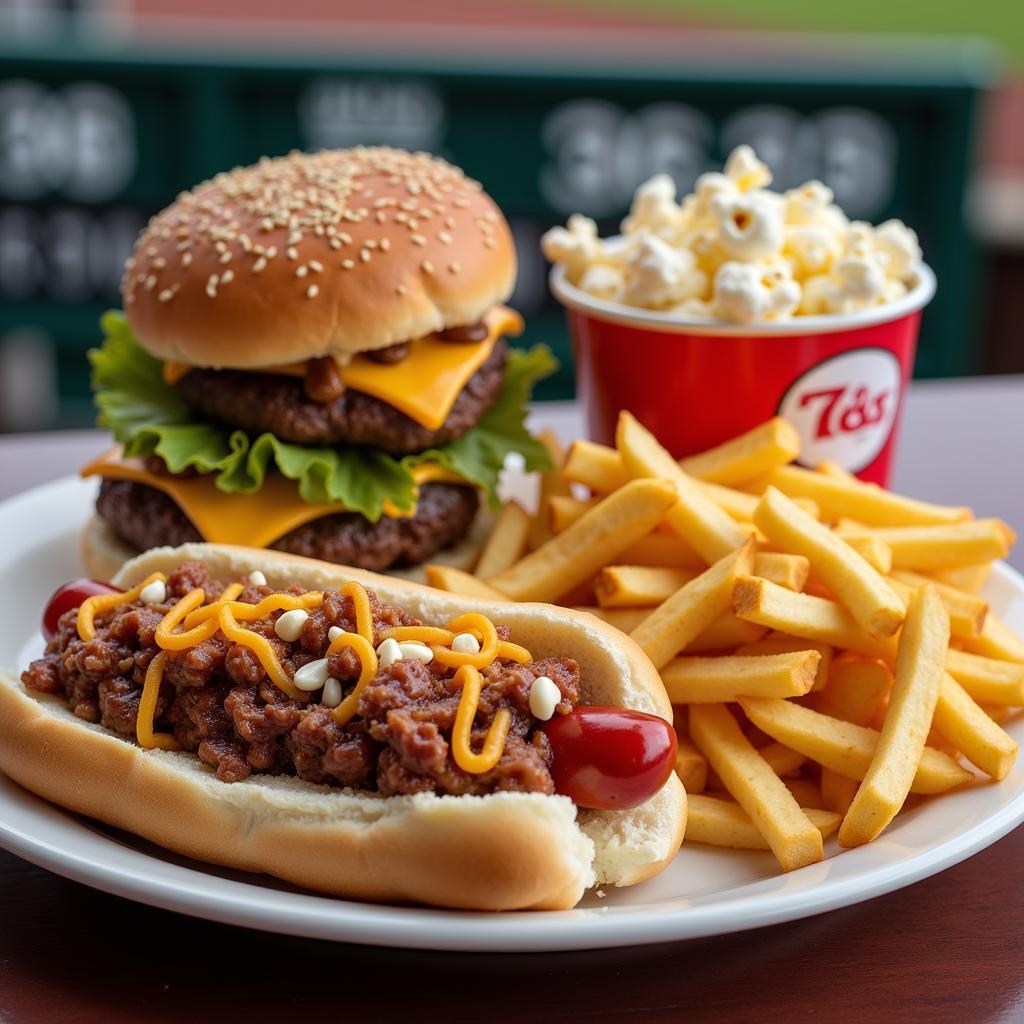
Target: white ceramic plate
(704, 892)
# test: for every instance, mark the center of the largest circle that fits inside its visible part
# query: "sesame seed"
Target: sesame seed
(380, 217)
(449, 222)
(292, 253)
(130, 263)
(345, 237)
(489, 242)
(401, 289)
(150, 282)
(385, 244)
(186, 259)
(259, 265)
(227, 277)
(295, 237)
(220, 246)
(316, 266)
(417, 240)
(335, 243)
(364, 255)
(445, 237)
(428, 267)
(312, 291)
(453, 268)
(271, 252)
(347, 264)
(301, 271)
(225, 257)
(159, 263)
(166, 295)
(413, 223)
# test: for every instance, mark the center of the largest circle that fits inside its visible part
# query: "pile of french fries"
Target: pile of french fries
(823, 640)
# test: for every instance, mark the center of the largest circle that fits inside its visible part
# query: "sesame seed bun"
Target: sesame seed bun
(309, 255)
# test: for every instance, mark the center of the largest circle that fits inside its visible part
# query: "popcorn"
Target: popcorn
(749, 226)
(658, 274)
(603, 281)
(900, 244)
(746, 171)
(654, 208)
(575, 246)
(735, 250)
(745, 292)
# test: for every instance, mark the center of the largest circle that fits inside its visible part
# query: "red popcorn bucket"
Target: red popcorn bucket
(839, 378)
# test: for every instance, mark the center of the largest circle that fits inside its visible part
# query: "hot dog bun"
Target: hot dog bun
(499, 852)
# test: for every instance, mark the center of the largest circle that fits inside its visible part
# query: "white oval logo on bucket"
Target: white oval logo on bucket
(844, 408)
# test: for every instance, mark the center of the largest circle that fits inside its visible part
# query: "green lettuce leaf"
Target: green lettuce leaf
(148, 417)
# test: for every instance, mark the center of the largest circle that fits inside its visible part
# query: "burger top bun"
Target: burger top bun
(308, 255)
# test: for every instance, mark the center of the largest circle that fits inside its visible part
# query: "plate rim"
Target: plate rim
(188, 889)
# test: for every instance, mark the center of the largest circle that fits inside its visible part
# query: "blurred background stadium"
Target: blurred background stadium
(108, 108)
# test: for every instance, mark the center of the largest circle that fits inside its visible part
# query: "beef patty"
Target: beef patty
(147, 518)
(258, 402)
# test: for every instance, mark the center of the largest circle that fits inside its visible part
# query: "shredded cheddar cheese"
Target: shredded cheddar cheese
(513, 652)
(261, 647)
(346, 710)
(252, 612)
(100, 603)
(471, 622)
(147, 708)
(421, 634)
(364, 614)
(494, 744)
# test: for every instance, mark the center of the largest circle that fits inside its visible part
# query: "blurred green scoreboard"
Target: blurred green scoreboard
(92, 143)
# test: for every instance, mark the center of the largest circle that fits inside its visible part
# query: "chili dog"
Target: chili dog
(356, 734)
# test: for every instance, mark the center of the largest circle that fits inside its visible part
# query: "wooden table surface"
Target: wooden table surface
(945, 949)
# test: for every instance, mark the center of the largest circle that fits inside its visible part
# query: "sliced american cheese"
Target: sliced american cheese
(254, 520)
(425, 384)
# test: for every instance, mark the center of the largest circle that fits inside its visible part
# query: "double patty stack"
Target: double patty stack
(311, 359)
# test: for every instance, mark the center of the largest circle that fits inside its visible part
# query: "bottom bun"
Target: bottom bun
(103, 552)
(503, 851)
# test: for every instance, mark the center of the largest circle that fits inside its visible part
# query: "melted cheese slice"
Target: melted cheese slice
(254, 520)
(425, 384)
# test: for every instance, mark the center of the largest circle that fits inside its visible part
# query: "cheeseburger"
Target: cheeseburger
(311, 358)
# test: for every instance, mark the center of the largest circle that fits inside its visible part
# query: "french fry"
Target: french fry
(915, 690)
(861, 589)
(829, 468)
(727, 632)
(996, 640)
(959, 719)
(747, 457)
(987, 680)
(873, 550)
(806, 793)
(694, 680)
(506, 543)
(842, 746)
(551, 483)
(716, 822)
(637, 586)
(625, 619)
(782, 644)
(941, 547)
(738, 504)
(595, 466)
(967, 612)
(597, 537)
(691, 767)
(857, 689)
(839, 497)
(969, 578)
(782, 760)
(692, 608)
(837, 791)
(455, 581)
(563, 510)
(784, 570)
(660, 549)
(695, 517)
(997, 713)
(756, 788)
(815, 618)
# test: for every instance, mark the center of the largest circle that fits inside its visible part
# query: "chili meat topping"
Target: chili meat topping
(217, 700)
